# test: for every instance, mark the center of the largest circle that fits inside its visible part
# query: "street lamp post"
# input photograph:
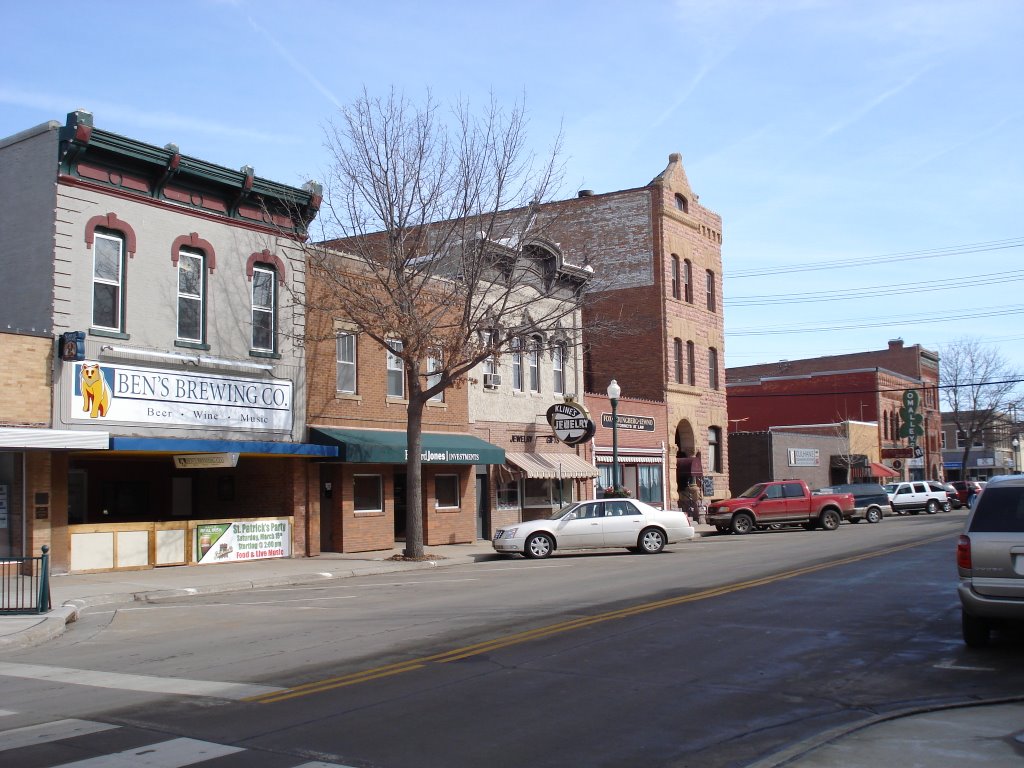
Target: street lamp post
(614, 390)
(1015, 443)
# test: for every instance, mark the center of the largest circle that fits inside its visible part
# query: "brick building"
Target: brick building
(175, 402)
(653, 319)
(857, 387)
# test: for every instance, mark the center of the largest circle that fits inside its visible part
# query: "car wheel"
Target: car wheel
(933, 506)
(539, 546)
(742, 523)
(651, 541)
(976, 630)
(873, 515)
(830, 519)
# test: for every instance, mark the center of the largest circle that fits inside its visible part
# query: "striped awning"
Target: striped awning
(873, 469)
(551, 465)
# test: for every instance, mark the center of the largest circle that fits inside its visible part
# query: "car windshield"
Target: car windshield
(561, 513)
(752, 492)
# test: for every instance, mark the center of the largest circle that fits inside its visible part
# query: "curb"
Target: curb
(48, 627)
(808, 746)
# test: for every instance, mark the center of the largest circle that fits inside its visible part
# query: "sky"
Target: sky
(866, 156)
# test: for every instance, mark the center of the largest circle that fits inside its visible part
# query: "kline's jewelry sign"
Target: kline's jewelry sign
(570, 422)
(113, 392)
(255, 540)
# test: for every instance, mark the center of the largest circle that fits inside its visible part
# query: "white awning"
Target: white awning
(625, 458)
(552, 465)
(68, 439)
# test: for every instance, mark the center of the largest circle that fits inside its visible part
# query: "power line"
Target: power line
(930, 253)
(875, 391)
(857, 294)
(1000, 311)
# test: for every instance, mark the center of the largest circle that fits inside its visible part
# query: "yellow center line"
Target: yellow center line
(505, 641)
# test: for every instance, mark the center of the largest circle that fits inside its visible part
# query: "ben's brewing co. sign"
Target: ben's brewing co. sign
(570, 422)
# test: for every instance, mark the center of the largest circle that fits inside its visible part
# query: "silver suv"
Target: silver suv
(990, 559)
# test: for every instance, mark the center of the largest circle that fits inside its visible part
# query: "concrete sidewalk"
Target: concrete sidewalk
(989, 734)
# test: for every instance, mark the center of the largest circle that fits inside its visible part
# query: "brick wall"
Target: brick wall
(25, 376)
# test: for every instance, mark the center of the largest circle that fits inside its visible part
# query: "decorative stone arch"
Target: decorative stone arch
(195, 242)
(265, 257)
(111, 222)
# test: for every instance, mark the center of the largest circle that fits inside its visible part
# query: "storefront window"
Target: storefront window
(508, 495)
(545, 492)
(366, 493)
(649, 483)
(12, 518)
(446, 491)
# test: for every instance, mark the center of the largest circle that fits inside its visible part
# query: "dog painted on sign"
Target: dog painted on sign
(95, 392)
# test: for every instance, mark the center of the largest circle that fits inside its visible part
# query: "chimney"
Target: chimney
(895, 344)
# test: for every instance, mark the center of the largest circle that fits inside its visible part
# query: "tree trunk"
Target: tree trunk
(414, 509)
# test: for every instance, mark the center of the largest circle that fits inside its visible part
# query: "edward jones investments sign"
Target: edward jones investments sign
(122, 393)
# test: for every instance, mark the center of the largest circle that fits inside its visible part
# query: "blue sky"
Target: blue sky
(866, 156)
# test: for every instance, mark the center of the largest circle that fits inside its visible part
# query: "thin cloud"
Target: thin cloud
(57, 105)
(295, 64)
(872, 105)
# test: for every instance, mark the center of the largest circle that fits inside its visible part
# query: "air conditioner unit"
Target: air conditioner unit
(492, 380)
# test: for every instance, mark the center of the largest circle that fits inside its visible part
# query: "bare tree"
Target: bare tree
(979, 388)
(431, 247)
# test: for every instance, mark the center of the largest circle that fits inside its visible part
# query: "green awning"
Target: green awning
(380, 446)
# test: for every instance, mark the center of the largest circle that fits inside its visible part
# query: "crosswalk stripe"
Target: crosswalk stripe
(176, 753)
(31, 735)
(321, 764)
(128, 682)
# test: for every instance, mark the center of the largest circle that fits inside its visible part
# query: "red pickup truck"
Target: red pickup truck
(781, 501)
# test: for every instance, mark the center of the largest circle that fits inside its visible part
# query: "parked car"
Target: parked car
(963, 489)
(781, 502)
(870, 501)
(916, 496)
(990, 560)
(591, 524)
(949, 490)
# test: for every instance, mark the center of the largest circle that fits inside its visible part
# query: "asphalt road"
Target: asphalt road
(715, 653)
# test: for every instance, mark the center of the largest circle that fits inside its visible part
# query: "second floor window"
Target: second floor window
(688, 280)
(108, 282)
(517, 364)
(433, 377)
(396, 369)
(558, 368)
(533, 357)
(676, 290)
(191, 296)
(264, 308)
(711, 290)
(713, 368)
(691, 364)
(677, 349)
(346, 359)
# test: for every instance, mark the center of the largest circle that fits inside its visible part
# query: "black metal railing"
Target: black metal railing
(25, 584)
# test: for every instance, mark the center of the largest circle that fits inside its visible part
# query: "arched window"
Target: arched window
(712, 304)
(558, 368)
(191, 296)
(264, 308)
(713, 368)
(682, 204)
(677, 345)
(516, 348)
(108, 267)
(691, 364)
(688, 281)
(533, 358)
(676, 287)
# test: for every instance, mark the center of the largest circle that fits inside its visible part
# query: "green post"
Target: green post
(43, 598)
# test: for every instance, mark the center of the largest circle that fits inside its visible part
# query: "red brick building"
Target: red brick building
(863, 386)
(653, 320)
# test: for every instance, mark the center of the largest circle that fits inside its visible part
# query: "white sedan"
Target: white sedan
(591, 524)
